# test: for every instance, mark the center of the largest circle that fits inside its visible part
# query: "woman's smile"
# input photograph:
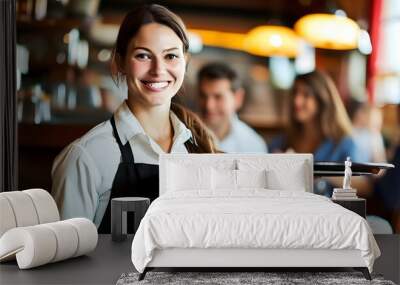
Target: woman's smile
(155, 86)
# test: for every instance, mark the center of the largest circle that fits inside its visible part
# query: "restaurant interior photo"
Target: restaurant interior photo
(200, 142)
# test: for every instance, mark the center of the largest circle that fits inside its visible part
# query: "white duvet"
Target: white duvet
(250, 219)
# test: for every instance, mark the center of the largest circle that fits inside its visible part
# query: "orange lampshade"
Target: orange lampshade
(220, 39)
(328, 31)
(272, 41)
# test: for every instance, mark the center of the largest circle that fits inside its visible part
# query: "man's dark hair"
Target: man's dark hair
(219, 70)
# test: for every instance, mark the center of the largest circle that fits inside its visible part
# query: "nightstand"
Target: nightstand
(119, 209)
(357, 205)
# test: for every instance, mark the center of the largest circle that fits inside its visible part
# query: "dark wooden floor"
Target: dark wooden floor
(106, 264)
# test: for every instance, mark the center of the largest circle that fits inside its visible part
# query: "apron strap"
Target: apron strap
(126, 151)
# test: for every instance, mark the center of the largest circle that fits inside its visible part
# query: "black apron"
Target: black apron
(133, 180)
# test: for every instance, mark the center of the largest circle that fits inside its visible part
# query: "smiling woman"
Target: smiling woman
(155, 66)
(119, 157)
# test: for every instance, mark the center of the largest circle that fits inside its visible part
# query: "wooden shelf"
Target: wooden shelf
(52, 25)
(49, 135)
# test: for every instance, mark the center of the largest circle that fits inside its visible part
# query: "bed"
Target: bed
(247, 211)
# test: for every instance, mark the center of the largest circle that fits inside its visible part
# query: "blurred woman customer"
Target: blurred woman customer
(318, 122)
(119, 157)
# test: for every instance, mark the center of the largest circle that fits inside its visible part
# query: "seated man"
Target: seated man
(220, 97)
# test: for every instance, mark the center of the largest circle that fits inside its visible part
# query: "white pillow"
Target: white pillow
(198, 160)
(251, 178)
(228, 179)
(188, 177)
(296, 181)
(224, 179)
(282, 173)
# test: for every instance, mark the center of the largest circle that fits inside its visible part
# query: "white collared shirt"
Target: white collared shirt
(83, 173)
(242, 139)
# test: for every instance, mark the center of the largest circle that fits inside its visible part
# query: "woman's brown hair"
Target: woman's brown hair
(203, 141)
(332, 116)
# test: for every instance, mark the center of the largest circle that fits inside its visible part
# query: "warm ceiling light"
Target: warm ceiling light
(220, 39)
(328, 31)
(272, 41)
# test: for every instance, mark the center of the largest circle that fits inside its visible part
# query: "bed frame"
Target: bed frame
(234, 259)
(250, 259)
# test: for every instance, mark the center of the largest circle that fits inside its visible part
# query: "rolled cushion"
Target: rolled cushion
(87, 235)
(66, 238)
(45, 205)
(23, 208)
(7, 218)
(40, 244)
(33, 246)
(26, 208)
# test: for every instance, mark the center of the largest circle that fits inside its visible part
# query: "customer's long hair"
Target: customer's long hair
(133, 21)
(334, 122)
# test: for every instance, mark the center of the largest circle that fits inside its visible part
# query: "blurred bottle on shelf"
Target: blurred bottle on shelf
(31, 9)
(86, 8)
(58, 96)
(33, 105)
(24, 9)
(40, 9)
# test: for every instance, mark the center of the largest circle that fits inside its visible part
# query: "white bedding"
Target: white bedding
(251, 218)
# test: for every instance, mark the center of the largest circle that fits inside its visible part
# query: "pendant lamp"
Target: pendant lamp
(328, 31)
(272, 41)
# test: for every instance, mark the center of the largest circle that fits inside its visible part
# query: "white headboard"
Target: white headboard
(283, 163)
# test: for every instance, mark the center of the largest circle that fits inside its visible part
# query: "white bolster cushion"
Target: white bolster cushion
(32, 246)
(7, 218)
(23, 208)
(26, 208)
(66, 238)
(45, 205)
(87, 235)
(40, 244)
